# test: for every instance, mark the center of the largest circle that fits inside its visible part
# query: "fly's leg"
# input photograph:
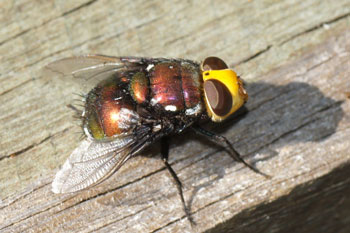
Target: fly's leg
(165, 154)
(232, 152)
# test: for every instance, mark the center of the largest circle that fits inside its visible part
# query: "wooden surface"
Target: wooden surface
(295, 57)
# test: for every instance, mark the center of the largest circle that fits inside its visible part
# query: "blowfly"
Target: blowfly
(137, 101)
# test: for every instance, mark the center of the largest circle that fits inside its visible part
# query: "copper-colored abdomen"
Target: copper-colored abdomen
(107, 106)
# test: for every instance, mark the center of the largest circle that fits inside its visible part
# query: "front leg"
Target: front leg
(232, 152)
(165, 154)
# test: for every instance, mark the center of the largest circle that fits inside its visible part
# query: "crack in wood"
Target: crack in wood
(82, 201)
(21, 196)
(320, 25)
(15, 87)
(59, 51)
(29, 216)
(301, 198)
(118, 220)
(74, 46)
(312, 120)
(78, 7)
(32, 146)
(45, 57)
(109, 191)
(201, 208)
(25, 149)
(318, 64)
(268, 100)
(103, 194)
(257, 54)
(46, 22)
(15, 36)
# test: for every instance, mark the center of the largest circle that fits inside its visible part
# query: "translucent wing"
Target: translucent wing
(94, 161)
(89, 70)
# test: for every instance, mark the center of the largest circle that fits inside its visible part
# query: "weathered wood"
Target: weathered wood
(294, 56)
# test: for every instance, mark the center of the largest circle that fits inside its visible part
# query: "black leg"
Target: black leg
(232, 152)
(165, 154)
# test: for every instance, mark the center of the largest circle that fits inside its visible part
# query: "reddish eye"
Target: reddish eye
(219, 97)
(213, 63)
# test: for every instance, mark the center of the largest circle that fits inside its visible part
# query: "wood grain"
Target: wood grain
(294, 56)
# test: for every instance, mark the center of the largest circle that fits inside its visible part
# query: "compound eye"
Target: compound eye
(213, 63)
(218, 96)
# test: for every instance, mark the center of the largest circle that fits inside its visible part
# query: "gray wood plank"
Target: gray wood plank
(294, 56)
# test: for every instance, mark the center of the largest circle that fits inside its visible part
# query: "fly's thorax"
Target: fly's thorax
(109, 110)
(175, 87)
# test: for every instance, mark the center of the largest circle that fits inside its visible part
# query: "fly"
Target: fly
(137, 101)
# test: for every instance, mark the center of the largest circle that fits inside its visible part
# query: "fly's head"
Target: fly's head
(223, 90)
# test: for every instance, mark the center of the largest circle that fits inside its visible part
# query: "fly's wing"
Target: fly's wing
(93, 161)
(89, 70)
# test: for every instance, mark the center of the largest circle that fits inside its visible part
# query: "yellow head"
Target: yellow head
(223, 89)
